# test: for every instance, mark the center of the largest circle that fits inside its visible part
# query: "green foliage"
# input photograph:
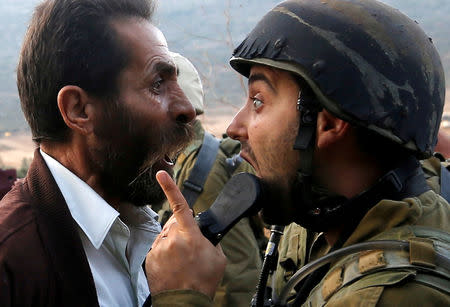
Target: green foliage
(22, 171)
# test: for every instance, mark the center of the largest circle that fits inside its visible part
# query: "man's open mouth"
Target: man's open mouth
(169, 161)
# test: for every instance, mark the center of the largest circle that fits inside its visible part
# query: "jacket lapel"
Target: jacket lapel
(60, 237)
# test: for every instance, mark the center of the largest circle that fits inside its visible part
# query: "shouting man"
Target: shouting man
(99, 90)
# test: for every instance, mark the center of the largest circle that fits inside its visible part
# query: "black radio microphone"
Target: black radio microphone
(241, 196)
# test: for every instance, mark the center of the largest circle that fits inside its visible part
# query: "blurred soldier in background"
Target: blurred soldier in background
(201, 171)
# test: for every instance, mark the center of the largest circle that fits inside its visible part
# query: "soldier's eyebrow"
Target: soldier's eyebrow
(261, 77)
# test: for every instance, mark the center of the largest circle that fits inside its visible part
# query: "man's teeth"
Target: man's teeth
(169, 161)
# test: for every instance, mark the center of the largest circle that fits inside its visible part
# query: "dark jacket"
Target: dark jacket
(42, 260)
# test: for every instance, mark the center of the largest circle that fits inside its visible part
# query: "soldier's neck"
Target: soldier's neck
(333, 236)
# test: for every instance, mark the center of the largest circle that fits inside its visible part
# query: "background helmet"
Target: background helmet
(189, 81)
(366, 62)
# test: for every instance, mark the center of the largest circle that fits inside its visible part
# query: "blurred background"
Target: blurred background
(205, 31)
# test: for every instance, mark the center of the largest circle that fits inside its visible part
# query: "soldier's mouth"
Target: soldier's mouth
(246, 157)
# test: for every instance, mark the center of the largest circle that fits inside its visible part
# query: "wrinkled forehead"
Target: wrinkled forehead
(131, 29)
(271, 75)
(158, 35)
(143, 41)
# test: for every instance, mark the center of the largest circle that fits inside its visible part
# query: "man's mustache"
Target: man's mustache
(171, 144)
(247, 149)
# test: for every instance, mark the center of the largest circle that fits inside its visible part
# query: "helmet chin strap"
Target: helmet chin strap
(305, 142)
(306, 135)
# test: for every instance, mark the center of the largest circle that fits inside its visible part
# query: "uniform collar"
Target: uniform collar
(386, 215)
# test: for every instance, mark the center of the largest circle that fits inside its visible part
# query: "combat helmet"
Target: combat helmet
(366, 62)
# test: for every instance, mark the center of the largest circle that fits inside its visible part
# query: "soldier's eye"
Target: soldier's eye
(257, 103)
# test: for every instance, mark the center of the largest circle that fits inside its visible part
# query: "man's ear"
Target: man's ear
(330, 129)
(75, 108)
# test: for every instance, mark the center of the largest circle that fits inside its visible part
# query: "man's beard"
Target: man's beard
(280, 195)
(278, 205)
(128, 158)
(280, 202)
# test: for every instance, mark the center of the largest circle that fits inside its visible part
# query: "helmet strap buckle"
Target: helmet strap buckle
(308, 109)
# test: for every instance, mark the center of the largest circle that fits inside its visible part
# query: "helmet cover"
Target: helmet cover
(189, 81)
(367, 63)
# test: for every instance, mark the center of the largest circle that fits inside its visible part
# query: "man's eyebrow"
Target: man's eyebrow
(164, 68)
(261, 77)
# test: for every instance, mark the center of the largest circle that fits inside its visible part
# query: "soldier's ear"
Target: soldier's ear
(76, 109)
(330, 129)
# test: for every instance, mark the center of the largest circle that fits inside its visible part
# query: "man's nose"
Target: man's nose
(238, 127)
(181, 109)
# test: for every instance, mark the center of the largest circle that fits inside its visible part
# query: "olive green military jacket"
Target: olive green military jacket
(239, 244)
(389, 288)
(295, 245)
(387, 220)
(432, 170)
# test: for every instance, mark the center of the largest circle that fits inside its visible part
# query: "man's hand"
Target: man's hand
(181, 257)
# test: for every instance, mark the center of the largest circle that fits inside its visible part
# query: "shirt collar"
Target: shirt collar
(91, 212)
(139, 216)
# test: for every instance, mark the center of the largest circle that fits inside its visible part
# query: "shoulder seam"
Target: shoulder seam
(17, 229)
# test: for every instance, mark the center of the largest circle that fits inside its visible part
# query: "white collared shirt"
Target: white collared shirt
(115, 246)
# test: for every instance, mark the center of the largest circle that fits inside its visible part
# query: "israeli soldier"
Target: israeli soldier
(201, 171)
(344, 99)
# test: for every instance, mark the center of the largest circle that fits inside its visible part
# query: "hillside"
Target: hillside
(199, 29)
(204, 30)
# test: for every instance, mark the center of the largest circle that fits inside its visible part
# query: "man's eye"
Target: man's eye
(257, 103)
(156, 86)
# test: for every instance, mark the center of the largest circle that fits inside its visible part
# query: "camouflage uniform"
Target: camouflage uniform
(298, 246)
(378, 289)
(432, 170)
(239, 244)
(297, 240)
(385, 287)
(291, 256)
